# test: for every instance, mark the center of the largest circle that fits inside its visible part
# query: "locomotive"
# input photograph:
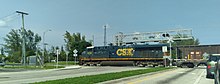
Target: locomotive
(139, 54)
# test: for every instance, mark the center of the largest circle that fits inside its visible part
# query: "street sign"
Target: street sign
(164, 48)
(75, 51)
(74, 55)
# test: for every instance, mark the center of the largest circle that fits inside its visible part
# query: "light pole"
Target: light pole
(23, 36)
(44, 45)
(58, 52)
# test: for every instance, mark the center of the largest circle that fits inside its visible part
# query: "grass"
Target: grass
(61, 64)
(91, 79)
(22, 67)
(32, 67)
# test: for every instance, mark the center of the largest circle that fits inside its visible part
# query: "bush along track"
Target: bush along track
(91, 79)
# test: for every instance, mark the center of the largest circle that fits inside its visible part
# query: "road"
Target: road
(14, 77)
(177, 76)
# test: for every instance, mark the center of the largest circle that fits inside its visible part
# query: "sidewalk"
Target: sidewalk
(72, 67)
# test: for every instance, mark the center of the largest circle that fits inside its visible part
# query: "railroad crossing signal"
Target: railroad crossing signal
(75, 53)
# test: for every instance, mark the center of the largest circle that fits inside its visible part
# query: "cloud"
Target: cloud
(2, 23)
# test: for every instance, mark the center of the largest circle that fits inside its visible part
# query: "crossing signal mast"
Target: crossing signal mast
(170, 35)
(167, 36)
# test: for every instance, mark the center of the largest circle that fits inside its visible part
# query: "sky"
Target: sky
(127, 16)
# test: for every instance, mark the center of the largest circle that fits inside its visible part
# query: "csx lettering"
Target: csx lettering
(125, 52)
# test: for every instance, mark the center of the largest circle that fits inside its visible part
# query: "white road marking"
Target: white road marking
(193, 73)
(199, 78)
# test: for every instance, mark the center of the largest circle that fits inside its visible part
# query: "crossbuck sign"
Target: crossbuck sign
(75, 53)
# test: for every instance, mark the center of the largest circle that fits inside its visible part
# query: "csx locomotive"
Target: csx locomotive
(140, 55)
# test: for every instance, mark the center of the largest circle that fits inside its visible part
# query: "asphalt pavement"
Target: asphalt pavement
(176, 76)
(54, 74)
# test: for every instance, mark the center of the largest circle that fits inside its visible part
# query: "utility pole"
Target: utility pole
(93, 42)
(105, 26)
(23, 37)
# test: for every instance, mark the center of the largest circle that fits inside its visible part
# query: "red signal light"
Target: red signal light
(209, 66)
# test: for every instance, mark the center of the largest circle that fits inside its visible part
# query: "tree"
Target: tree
(62, 54)
(192, 41)
(2, 51)
(51, 54)
(75, 41)
(2, 55)
(13, 44)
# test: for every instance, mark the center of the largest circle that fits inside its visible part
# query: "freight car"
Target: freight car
(140, 55)
(193, 55)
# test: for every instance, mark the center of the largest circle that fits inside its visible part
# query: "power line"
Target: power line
(9, 15)
(8, 18)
